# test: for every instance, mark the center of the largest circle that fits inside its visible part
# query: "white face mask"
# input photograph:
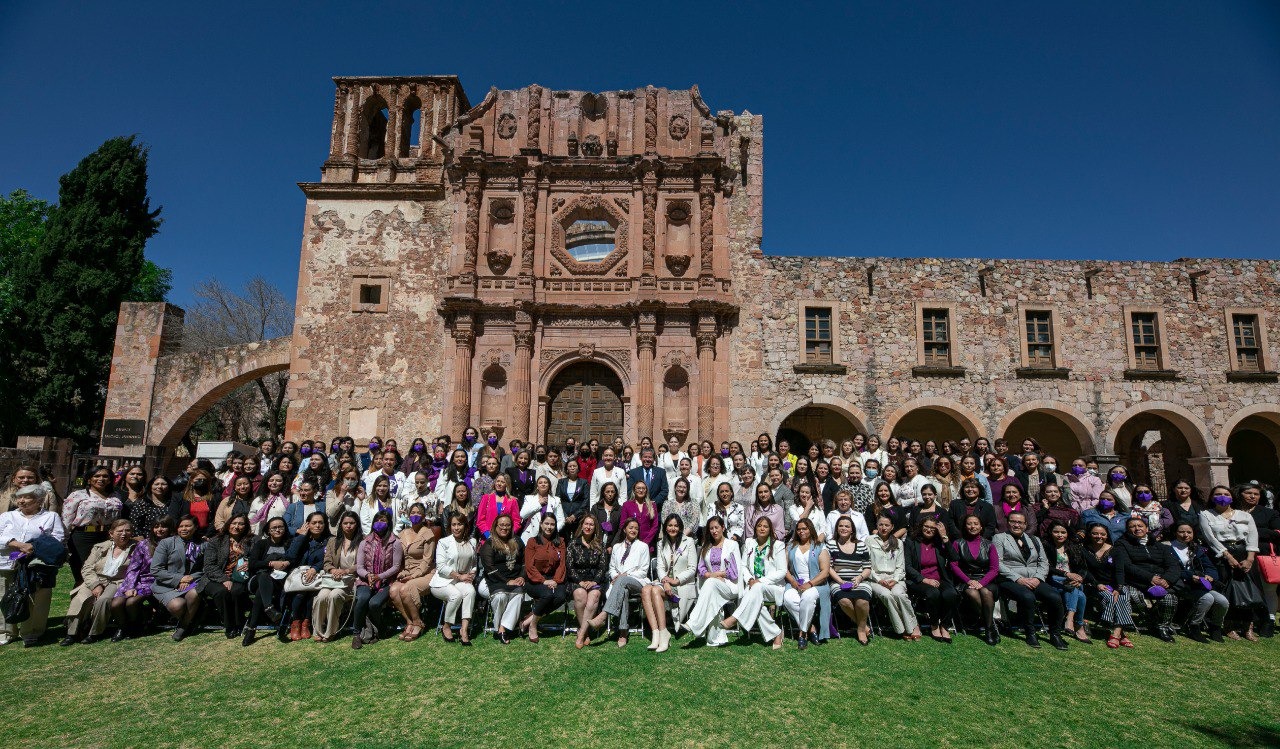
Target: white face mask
(1051, 467)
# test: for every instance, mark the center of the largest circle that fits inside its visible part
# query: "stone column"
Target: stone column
(520, 380)
(464, 338)
(471, 185)
(647, 343)
(1210, 472)
(706, 338)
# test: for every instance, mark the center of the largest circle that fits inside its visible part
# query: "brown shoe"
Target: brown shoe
(306, 629)
(295, 630)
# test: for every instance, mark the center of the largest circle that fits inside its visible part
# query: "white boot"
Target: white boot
(664, 640)
(656, 640)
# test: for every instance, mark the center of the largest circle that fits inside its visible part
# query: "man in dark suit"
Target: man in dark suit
(575, 498)
(652, 476)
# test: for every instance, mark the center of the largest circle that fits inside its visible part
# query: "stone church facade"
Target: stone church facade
(550, 263)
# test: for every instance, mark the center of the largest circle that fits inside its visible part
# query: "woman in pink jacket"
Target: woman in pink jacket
(498, 503)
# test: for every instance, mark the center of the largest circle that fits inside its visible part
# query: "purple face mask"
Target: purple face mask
(493, 442)
(1117, 477)
(1221, 500)
(725, 452)
(1078, 470)
(380, 527)
(419, 448)
(1106, 505)
(1143, 497)
(374, 445)
(306, 450)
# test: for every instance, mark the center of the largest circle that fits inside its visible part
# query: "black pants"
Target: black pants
(80, 545)
(546, 600)
(1055, 611)
(940, 601)
(265, 590)
(231, 604)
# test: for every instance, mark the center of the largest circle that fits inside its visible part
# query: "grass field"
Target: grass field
(211, 692)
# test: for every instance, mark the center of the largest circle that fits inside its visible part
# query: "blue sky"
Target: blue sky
(1044, 130)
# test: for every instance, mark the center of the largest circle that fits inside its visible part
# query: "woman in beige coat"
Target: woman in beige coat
(340, 564)
(103, 570)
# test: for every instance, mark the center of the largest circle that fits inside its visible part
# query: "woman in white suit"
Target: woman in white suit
(628, 573)
(455, 578)
(889, 576)
(809, 563)
(719, 572)
(764, 572)
(608, 473)
(541, 502)
(677, 571)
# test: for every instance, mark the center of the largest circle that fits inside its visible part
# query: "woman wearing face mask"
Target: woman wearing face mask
(269, 565)
(1107, 514)
(226, 573)
(1120, 488)
(470, 446)
(628, 573)
(718, 571)
(545, 570)
(1197, 584)
(1232, 537)
(177, 566)
(502, 560)
(306, 551)
(380, 559)
(340, 563)
(342, 497)
(1147, 507)
(1117, 613)
(418, 459)
(764, 574)
(1085, 487)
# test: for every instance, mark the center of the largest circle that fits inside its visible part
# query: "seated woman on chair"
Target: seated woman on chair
(975, 564)
(269, 565)
(502, 559)
(340, 562)
(380, 559)
(677, 569)
(850, 574)
(888, 578)
(544, 573)
(454, 581)
(628, 573)
(928, 560)
(808, 568)
(764, 574)
(588, 573)
(1199, 584)
(177, 566)
(307, 553)
(418, 539)
(718, 571)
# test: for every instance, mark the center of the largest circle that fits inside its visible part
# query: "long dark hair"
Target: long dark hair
(679, 531)
(324, 535)
(356, 538)
(706, 546)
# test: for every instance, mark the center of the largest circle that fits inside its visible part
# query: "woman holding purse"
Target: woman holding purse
(269, 565)
(340, 565)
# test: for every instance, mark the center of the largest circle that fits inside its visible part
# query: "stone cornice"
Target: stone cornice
(372, 190)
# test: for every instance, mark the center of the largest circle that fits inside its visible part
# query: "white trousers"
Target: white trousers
(801, 606)
(901, 616)
(751, 609)
(455, 596)
(705, 619)
(504, 604)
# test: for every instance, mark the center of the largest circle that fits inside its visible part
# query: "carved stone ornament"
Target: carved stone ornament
(506, 126)
(587, 350)
(499, 260)
(679, 127)
(591, 146)
(594, 105)
(502, 211)
(678, 264)
(592, 207)
(678, 211)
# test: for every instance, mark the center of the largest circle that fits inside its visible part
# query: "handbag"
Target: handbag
(16, 603)
(240, 572)
(1269, 566)
(295, 584)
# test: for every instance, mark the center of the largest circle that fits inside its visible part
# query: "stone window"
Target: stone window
(1039, 337)
(817, 335)
(373, 133)
(1144, 336)
(935, 337)
(1250, 358)
(410, 127)
(370, 292)
(589, 240)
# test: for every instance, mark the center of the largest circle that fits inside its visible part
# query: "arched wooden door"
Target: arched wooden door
(585, 403)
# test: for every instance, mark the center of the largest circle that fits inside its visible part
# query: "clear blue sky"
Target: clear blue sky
(1045, 130)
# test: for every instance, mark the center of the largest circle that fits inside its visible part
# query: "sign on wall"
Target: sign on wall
(123, 432)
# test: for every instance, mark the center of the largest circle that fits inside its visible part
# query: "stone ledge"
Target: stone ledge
(937, 371)
(1042, 373)
(1152, 374)
(1253, 376)
(829, 369)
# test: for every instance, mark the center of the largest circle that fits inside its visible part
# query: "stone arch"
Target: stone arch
(189, 383)
(374, 119)
(1069, 416)
(1251, 439)
(856, 416)
(1268, 411)
(1188, 423)
(610, 358)
(968, 420)
(411, 124)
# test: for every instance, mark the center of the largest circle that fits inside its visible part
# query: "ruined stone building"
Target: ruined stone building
(554, 263)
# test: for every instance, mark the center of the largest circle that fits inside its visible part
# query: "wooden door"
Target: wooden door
(586, 403)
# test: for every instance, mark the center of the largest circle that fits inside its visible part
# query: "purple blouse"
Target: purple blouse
(714, 561)
(137, 576)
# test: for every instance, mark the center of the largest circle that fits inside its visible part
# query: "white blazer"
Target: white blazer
(815, 516)
(885, 563)
(682, 565)
(635, 565)
(671, 464)
(531, 507)
(775, 562)
(447, 560)
(860, 529)
(602, 476)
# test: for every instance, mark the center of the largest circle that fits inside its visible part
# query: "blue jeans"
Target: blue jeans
(1072, 598)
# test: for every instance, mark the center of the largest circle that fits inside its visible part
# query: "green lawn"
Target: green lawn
(211, 692)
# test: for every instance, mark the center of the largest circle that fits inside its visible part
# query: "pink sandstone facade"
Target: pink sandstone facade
(443, 282)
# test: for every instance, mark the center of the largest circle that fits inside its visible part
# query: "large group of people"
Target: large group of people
(318, 540)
